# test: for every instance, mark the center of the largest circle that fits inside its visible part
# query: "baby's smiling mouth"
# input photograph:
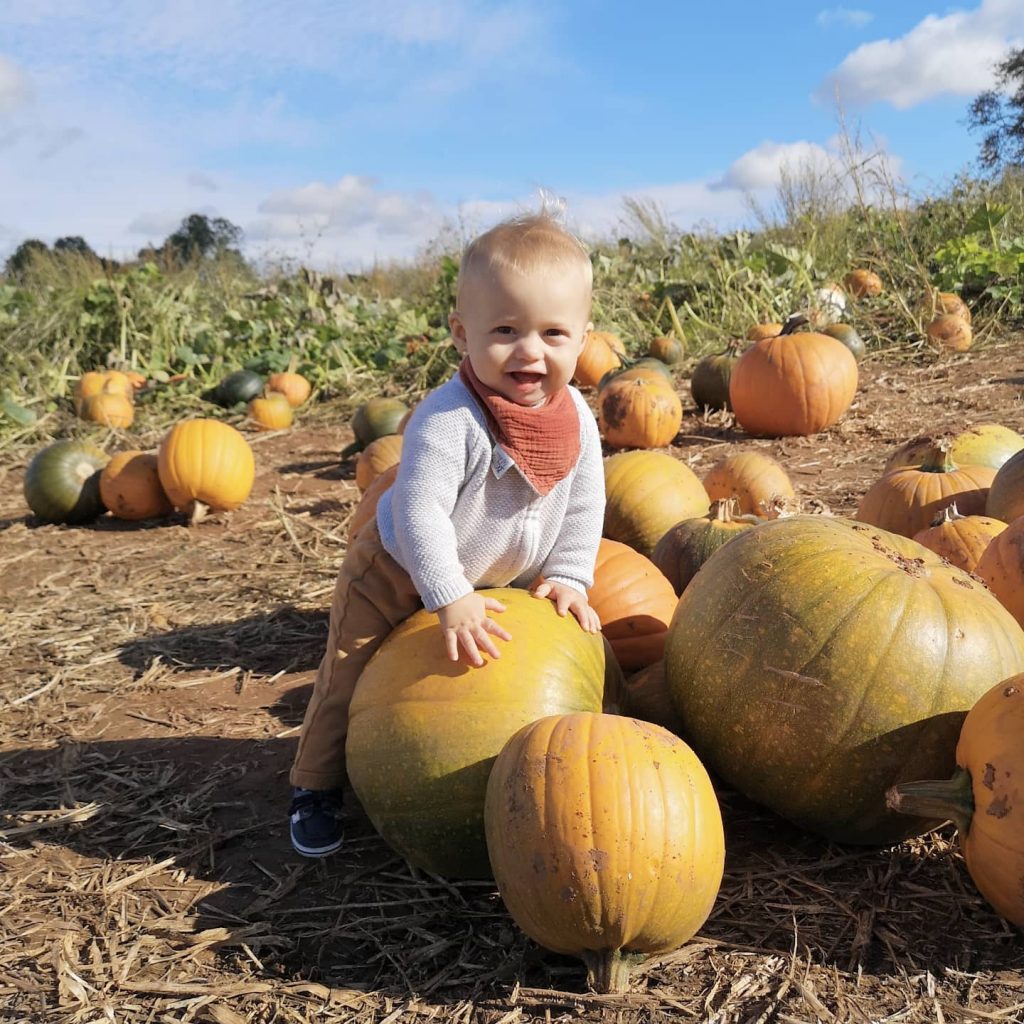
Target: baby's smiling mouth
(522, 377)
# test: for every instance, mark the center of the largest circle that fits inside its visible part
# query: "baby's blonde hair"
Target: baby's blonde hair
(525, 244)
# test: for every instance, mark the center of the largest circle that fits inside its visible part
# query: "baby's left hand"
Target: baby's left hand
(568, 600)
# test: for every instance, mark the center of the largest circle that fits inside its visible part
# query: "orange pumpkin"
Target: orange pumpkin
(945, 302)
(376, 457)
(646, 494)
(983, 796)
(596, 359)
(293, 386)
(863, 283)
(205, 463)
(793, 384)
(752, 478)
(271, 411)
(111, 408)
(606, 839)
(669, 349)
(951, 332)
(96, 382)
(130, 486)
(1001, 566)
(634, 602)
(639, 413)
(960, 540)
(906, 501)
(760, 331)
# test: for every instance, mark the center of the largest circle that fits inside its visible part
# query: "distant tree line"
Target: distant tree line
(197, 238)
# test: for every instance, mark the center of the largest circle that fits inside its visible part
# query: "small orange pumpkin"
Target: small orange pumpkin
(271, 411)
(376, 457)
(951, 332)
(293, 386)
(606, 839)
(205, 462)
(960, 540)
(596, 359)
(111, 408)
(1001, 566)
(634, 602)
(752, 478)
(863, 283)
(639, 413)
(760, 331)
(130, 486)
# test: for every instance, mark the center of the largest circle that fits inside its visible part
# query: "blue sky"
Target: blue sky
(343, 133)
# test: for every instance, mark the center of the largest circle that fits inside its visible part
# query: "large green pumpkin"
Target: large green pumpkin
(424, 731)
(62, 482)
(375, 418)
(816, 662)
(240, 386)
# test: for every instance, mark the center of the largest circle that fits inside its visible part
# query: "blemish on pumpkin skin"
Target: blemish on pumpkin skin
(598, 859)
(567, 894)
(999, 808)
(989, 778)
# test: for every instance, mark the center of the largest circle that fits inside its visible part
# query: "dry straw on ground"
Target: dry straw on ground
(153, 680)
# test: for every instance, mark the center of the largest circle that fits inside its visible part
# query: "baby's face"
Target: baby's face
(523, 332)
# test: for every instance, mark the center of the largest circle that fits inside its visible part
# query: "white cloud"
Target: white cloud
(846, 16)
(949, 55)
(761, 167)
(14, 86)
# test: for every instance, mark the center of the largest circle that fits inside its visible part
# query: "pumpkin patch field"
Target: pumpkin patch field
(156, 665)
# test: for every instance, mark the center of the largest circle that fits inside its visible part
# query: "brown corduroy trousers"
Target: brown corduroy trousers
(372, 595)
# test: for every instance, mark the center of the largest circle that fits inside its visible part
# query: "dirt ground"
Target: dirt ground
(154, 676)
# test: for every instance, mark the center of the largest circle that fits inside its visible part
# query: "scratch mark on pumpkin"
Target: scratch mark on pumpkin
(788, 674)
(989, 778)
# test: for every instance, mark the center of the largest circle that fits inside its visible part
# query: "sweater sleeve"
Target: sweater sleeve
(435, 449)
(573, 556)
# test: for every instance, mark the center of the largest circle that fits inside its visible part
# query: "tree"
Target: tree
(20, 259)
(74, 244)
(999, 113)
(199, 237)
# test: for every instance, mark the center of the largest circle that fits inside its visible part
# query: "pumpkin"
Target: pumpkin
(645, 696)
(752, 478)
(987, 444)
(205, 463)
(136, 379)
(906, 500)
(684, 548)
(293, 386)
(709, 384)
(95, 382)
(424, 731)
(634, 602)
(375, 418)
(366, 510)
(1001, 566)
(648, 368)
(612, 340)
(646, 494)
(945, 302)
(816, 662)
(111, 408)
(951, 332)
(983, 797)
(796, 383)
(960, 540)
(639, 413)
(759, 331)
(130, 486)
(62, 482)
(669, 349)
(863, 283)
(595, 360)
(606, 840)
(271, 411)
(237, 387)
(376, 457)
(849, 337)
(1006, 494)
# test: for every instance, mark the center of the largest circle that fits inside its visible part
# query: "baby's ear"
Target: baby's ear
(458, 329)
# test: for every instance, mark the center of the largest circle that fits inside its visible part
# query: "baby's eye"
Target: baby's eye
(504, 329)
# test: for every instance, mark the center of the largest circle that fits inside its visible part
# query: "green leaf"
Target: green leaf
(17, 413)
(986, 217)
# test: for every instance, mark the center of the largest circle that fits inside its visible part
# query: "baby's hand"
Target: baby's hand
(465, 624)
(568, 600)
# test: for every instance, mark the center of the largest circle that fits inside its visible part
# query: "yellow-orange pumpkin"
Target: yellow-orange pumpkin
(752, 478)
(1001, 566)
(634, 602)
(293, 386)
(271, 411)
(596, 359)
(794, 384)
(205, 462)
(951, 332)
(639, 413)
(130, 486)
(111, 408)
(985, 444)
(960, 540)
(606, 839)
(984, 797)
(376, 457)
(863, 283)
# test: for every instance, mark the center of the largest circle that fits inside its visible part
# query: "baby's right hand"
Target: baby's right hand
(465, 624)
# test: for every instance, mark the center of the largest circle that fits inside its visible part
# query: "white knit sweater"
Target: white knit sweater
(461, 516)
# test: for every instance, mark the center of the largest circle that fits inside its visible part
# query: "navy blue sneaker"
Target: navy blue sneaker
(316, 821)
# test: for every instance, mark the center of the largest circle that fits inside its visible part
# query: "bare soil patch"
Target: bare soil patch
(154, 677)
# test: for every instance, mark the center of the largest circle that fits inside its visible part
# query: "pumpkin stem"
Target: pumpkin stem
(939, 458)
(948, 515)
(793, 321)
(608, 969)
(723, 510)
(949, 799)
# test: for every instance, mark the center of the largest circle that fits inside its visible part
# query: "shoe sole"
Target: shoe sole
(319, 851)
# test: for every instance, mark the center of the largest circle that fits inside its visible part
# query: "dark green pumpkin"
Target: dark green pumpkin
(849, 337)
(709, 384)
(240, 386)
(668, 348)
(635, 368)
(375, 418)
(816, 662)
(690, 543)
(62, 482)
